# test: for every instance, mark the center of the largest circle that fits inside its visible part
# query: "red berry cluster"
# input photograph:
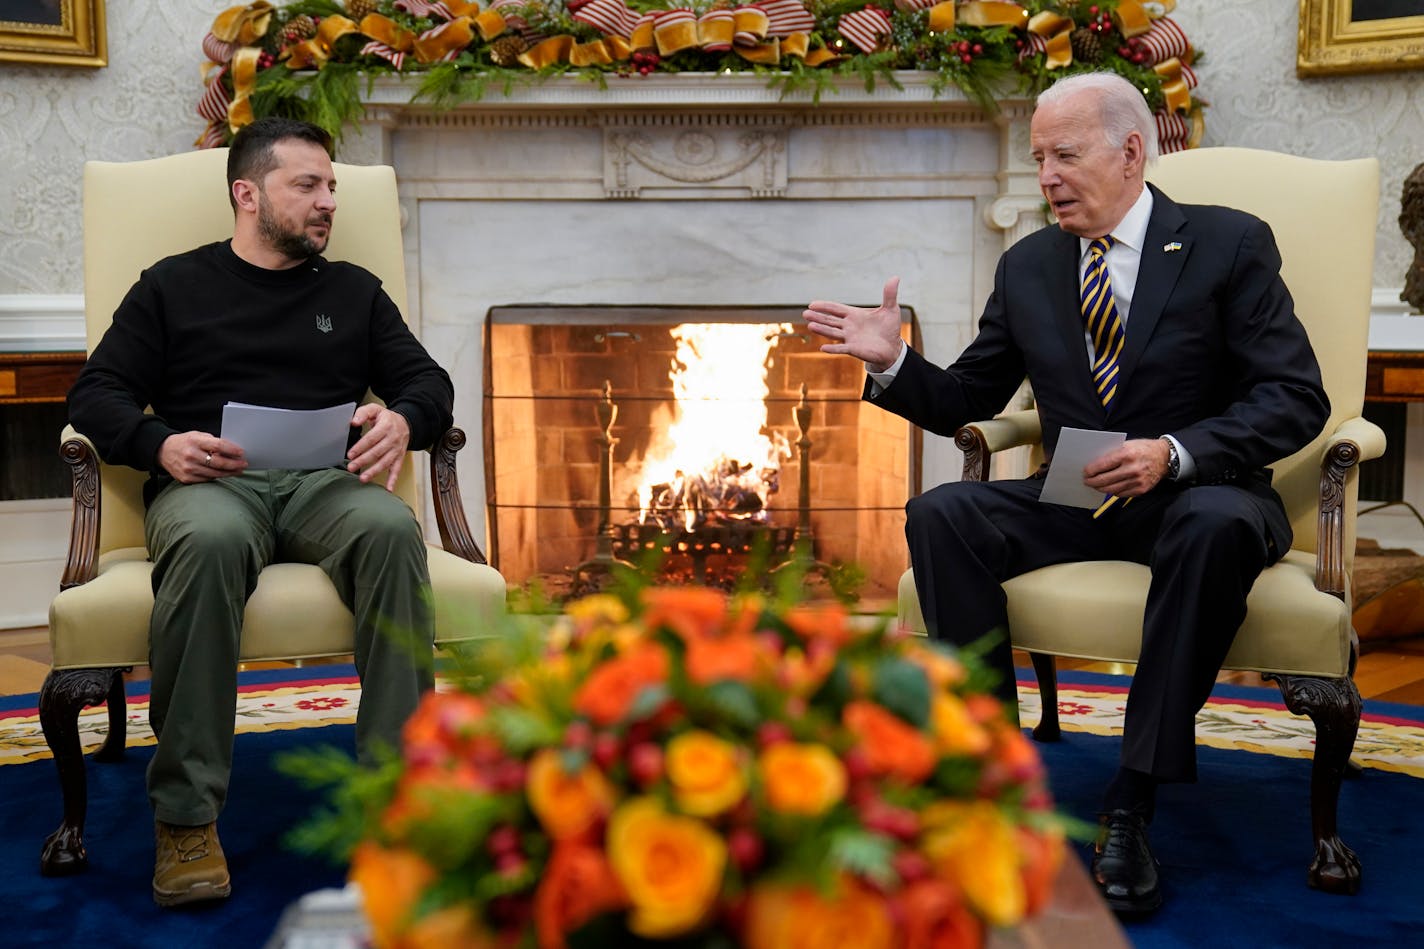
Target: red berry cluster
(1134, 51)
(265, 60)
(966, 50)
(1099, 21)
(645, 63)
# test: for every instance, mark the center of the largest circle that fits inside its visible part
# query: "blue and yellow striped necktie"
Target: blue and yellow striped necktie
(1105, 328)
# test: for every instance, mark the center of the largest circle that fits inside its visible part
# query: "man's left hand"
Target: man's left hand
(383, 446)
(1130, 470)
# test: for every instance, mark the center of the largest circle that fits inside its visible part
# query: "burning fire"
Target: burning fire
(714, 462)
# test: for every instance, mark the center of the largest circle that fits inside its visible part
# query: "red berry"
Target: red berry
(579, 734)
(771, 733)
(1093, 9)
(645, 763)
(967, 58)
(857, 764)
(503, 839)
(910, 865)
(978, 49)
(510, 864)
(606, 748)
(745, 848)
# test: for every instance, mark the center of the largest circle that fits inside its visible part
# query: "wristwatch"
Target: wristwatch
(1174, 460)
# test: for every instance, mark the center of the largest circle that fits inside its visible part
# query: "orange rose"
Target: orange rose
(567, 805)
(944, 671)
(955, 731)
(577, 885)
(671, 867)
(737, 657)
(446, 725)
(802, 778)
(935, 917)
(783, 917)
(705, 772)
(891, 745)
(823, 621)
(802, 672)
(974, 846)
(607, 695)
(422, 793)
(690, 612)
(391, 882)
(1042, 857)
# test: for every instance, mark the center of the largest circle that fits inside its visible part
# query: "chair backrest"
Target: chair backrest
(1323, 214)
(137, 213)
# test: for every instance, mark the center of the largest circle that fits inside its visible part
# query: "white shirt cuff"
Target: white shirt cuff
(882, 380)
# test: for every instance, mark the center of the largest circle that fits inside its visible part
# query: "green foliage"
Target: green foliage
(864, 853)
(355, 796)
(903, 688)
(982, 63)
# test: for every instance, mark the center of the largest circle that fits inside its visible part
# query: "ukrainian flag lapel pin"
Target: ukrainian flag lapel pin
(1168, 248)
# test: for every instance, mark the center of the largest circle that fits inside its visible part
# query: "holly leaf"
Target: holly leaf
(903, 688)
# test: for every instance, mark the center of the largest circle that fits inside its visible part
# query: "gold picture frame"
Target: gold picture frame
(1359, 36)
(56, 32)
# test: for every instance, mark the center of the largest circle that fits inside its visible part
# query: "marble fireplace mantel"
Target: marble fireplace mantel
(698, 189)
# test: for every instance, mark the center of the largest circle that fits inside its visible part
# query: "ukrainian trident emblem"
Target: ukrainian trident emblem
(323, 322)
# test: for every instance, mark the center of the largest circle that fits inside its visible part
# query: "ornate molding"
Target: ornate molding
(703, 157)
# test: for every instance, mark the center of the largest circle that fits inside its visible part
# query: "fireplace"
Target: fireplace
(585, 408)
(674, 191)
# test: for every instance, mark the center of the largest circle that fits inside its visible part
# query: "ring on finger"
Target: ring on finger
(208, 459)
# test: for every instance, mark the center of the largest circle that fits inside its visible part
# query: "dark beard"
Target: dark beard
(294, 245)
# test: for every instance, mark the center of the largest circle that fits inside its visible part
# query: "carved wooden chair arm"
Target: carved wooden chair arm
(1353, 441)
(82, 563)
(979, 440)
(455, 533)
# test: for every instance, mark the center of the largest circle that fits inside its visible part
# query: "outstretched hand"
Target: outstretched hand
(382, 448)
(872, 336)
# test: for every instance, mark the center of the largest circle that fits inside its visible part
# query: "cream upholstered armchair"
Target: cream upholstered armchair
(1297, 630)
(135, 214)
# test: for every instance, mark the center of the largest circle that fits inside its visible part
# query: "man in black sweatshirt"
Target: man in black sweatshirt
(262, 319)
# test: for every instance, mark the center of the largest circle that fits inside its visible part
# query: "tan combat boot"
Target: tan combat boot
(189, 865)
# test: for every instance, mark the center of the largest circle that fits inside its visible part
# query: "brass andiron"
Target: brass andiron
(803, 541)
(590, 575)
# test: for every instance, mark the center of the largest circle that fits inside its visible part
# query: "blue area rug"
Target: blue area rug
(1234, 847)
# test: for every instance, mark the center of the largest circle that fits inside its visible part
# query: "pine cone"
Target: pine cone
(299, 28)
(358, 9)
(505, 50)
(1087, 46)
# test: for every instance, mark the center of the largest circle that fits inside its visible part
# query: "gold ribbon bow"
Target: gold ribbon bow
(992, 13)
(1056, 32)
(1175, 90)
(241, 27)
(313, 53)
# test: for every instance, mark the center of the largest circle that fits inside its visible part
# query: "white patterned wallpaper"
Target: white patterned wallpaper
(141, 105)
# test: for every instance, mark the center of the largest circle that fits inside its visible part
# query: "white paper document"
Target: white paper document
(289, 438)
(1077, 448)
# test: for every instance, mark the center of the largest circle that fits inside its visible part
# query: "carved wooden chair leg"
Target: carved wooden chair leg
(64, 694)
(1047, 672)
(1334, 706)
(113, 747)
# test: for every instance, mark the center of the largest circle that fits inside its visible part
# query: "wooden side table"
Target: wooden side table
(37, 377)
(1394, 376)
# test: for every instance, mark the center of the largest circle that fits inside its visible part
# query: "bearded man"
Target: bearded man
(263, 319)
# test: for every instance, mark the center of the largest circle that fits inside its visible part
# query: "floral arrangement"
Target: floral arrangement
(306, 58)
(680, 765)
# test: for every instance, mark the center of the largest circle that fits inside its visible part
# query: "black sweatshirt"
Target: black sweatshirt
(205, 328)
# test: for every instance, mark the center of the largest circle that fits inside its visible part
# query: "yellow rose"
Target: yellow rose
(705, 773)
(955, 730)
(802, 778)
(974, 846)
(567, 805)
(671, 867)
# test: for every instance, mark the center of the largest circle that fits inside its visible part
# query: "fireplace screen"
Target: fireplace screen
(695, 436)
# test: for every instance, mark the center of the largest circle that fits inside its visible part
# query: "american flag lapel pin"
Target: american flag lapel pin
(1168, 248)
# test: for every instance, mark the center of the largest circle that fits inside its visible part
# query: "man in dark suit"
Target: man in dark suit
(1135, 314)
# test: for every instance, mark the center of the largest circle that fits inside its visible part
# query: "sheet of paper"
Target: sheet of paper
(289, 438)
(1077, 447)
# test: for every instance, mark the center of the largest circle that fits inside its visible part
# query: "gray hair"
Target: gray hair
(1123, 108)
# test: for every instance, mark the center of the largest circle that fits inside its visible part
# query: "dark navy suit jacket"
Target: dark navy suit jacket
(1214, 356)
